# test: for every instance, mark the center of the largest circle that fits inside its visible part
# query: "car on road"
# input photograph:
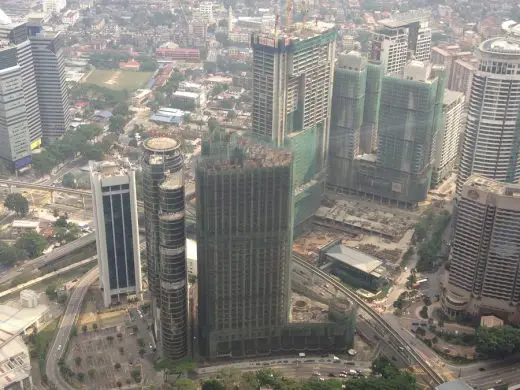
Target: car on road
(59, 347)
(316, 373)
(331, 374)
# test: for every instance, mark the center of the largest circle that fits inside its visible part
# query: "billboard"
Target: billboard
(36, 143)
(23, 162)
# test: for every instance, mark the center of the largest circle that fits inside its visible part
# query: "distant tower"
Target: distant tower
(117, 231)
(53, 91)
(231, 22)
(292, 91)
(491, 146)
(163, 196)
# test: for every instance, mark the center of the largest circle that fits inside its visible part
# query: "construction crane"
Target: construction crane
(288, 13)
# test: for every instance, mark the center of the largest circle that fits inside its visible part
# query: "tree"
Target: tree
(136, 375)
(119, 384)
(110, 339)
(121, 109)
(32, 243)
(116, 124)
(121, 350)
(77, 360)
(73, 331)
(213, 384)
(55, 213)
(142, 351)
(231, 115)
(120, 336)
(9, 255)
(92, 373)
(117, 366)
(51, 290)
(140, 342)
(18, 203)
(84, 328)
(424, 312)
(80, 376)
(94, 326)
(69, 180)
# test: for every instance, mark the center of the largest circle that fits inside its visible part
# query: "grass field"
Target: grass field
(119, 79)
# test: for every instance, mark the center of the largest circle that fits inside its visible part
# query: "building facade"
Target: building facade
(492, 134)
(292, 90)
(15, 145)
(448, 136)
(163, 197)
(402, 37)
(52, 88)
(117, 233)
(17, 34)
(354, 115)
(484, 276)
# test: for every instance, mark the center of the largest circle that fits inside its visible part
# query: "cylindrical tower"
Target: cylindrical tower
(491, 140)
(163, 193)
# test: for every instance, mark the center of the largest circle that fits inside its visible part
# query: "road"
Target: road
(385, 330)
(55, 353)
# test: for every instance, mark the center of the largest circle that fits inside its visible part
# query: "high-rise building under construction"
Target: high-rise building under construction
(354, 116)
(163, 198)
(244, 241)
(244, 249)
(292, 89)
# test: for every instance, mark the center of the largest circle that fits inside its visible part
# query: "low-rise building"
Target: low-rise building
(15, 365)
(188, 100)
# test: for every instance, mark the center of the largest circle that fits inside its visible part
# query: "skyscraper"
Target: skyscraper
(448, 136)
(354, 116)
(16, 34)
(163, 196)
(53, 92)
(15, 145)
(117, 233)
(292, 89)
(484, 274)
(492, 137)
(402, 37)
(244, 246)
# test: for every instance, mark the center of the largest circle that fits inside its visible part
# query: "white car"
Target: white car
(59, 347)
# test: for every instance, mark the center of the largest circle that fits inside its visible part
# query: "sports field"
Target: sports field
(119, 79)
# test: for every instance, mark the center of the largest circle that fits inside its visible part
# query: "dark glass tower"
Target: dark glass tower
(163, 192)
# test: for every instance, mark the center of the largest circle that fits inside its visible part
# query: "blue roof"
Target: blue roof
(168, 115)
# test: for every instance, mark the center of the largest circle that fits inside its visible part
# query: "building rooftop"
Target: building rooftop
(451, 96)
(407, 18)
(192, 95)
(454, 385)
(14, 362)
(161, 144)
(355, 258)
(105, 169)
(14, 319)
(493, 186)
(508, 45)
(249, 154)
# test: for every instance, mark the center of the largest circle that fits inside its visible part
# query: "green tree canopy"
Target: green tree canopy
(18, 203)
(32, 243)
(116, 124)
(9, 255)
(69, 180)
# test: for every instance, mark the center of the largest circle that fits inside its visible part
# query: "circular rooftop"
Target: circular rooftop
(508, 45)
(161, 144)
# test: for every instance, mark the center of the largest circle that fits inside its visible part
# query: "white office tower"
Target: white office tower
(53, 6)
(15, 145)
(448, 137)
(483, 276)
(53, 92)
(402, 37)
(16, 34)
(117, 234)
(492, 136)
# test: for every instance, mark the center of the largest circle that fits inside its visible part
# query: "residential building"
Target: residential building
(117, 233)
(354, 114)
(483, 276)
(53, 6)
(448, 136)
(163, 197)
(492, 134)
(184, 100)
(17, 34)
(244, 249)
(51, 84)
(462, 76)
(402, 37)
(205, 12)
(15, 145)
(178, 54)
(292, 89)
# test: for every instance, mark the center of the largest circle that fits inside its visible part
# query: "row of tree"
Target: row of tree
(497, 342)
(386, 377)
(73, 142)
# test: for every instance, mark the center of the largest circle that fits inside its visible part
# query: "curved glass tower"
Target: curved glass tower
(163, 193)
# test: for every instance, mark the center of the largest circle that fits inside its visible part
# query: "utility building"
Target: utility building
(292, 90)
(117, 234)
(163, 196)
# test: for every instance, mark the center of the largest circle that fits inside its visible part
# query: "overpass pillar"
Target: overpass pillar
(52, 197)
